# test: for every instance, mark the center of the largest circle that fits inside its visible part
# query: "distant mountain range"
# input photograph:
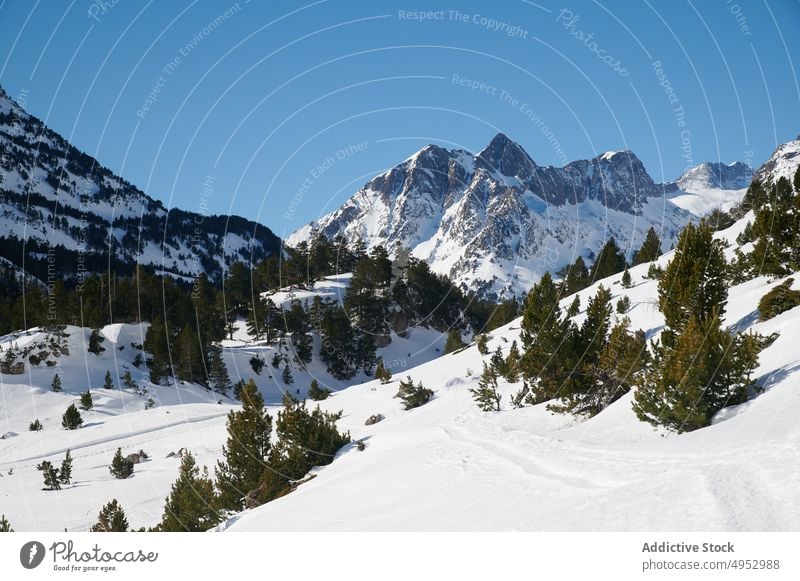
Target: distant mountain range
(58, 201)
(495, 221)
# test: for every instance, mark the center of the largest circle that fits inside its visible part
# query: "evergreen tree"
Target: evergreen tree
(693, 284)
(56, 385)
(650, 249)
(50, 475)
(190, 505)
(217, 372)
(156, 344)
(486, 395)
(413, 395)
(512, 364)
(626, 279)
(65, 474)
(246, 450)
(454, 342)
(111, 519)
(482, 341)
(128, 382)
(35, 426)
(72, 419)
(86, 400)
(498, 362)
(576, 277)
(317, 393)
(5, 526)
(287, 375)
(338, 343)
(121, 467)
(574, 307)
(383, 374)
(95, 340)
(611, 260)
(623, 304)
(706, 370)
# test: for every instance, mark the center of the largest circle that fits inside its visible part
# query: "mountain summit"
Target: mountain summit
(496, 221)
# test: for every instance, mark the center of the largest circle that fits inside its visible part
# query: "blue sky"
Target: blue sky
(286, 108)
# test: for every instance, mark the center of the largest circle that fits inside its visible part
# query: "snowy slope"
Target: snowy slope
(447, 466)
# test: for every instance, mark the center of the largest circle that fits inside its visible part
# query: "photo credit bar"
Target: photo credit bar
(356, 556)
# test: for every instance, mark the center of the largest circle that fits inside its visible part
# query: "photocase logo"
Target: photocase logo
(31, 554)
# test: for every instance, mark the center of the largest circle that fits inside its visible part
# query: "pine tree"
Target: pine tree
(35, 426)
(246, 450)
(512, 364)
(72, 419)
(65, 474)
(498, 362)
(482, 341)
(623, 304)
(576, 277)
(121, 467)
(650, 249)
(574, 307)
(611, 260)
(383, 374)
(287, 375)
(108, 382)
(56, 385)
(412, 395)
(5, 526)
(86, 400)
(486, 395)
(111, 519)
(190, 505)
(626, 279)
(454, 342)
(694, 283)
(128, 382)
(50, 475)
(218, 377)
(156, 344)
(95, 340)
(705, 370)
(317, 393)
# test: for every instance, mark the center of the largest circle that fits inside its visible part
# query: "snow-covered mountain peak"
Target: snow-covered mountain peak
(715, 175)
(782, 163)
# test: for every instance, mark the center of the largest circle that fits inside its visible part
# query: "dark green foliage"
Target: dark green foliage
(108, 382)
(218, 378)
(86, 400)
(258, 364)
(72, 419)
(511, 366)
(412, 395)
(276, 362)
(121, 467)
(35, 426)
(65, 474)
(287, 375)
(190, 505)
(482, 341)
(778, 300)
(383, 374)
(775, 230)
(246, 449)
(50, 475)
(156, 343)
(317, 393)
(56, 385)
(611, 260)
(128, 382)
(454, 342)
(576, 277)
(95, 342)
(626, 279)
(486, 395)
(574, 307)
(5, 526)
(693, 284)
(338, 342)
(650, 249)
(705, 370)
(623, 305)
(111, 519)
